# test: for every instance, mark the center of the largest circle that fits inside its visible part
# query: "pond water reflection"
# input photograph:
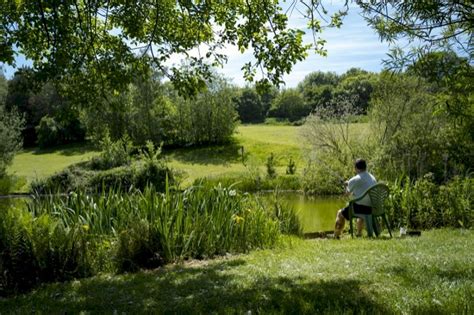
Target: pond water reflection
(316, 213)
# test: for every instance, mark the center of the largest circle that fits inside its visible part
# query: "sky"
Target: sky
(353, 45)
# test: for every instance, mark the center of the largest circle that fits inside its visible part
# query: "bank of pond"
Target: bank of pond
(80, 234)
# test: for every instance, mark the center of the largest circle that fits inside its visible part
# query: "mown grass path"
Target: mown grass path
(432, 274)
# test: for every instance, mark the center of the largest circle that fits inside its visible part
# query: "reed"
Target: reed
(116, 231)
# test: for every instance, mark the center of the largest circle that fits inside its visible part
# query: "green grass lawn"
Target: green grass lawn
(35, 163)
(258, 142)
(432, 274)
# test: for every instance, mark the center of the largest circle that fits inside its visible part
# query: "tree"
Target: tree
(20, 90)
(452, 79)
(357, 84)
(289, 104)
(3, 88)
(435, 25)
(250, 106)
(102, 45)
(10, 137)
(317, 88)
(409, 139)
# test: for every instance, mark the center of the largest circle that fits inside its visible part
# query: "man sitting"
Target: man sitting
(356, 186)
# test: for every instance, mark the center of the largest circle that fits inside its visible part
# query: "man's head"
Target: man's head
(360, 165)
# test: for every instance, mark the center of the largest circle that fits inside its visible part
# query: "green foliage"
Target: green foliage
(251, 181)
(286, 215)
(334, 144)
(48, 132)
(67, 180)
(289, 104)
(291, 168)
(249, 106)
(270, 164)
(60, 238)
(3, 87)
(322, 178)
(149, 110)
(357, 84)
(449, 24)
(114, 153)
(210, 118)
(423, 204)
(111, 169)
(10, 137)
(63, 46)
(37, 101)
(452, 80)
(39, 249)
(409, 138)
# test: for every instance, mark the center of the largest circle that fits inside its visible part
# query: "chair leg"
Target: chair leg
(369, 225)
(387, 224)
(376, 226)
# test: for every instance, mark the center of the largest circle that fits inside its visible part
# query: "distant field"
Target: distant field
(257, 141)
(35, 163)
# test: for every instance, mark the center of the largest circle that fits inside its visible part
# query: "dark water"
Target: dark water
(316, 213)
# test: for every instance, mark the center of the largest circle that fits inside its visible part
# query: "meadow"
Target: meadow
(431, 274)
(257, 141)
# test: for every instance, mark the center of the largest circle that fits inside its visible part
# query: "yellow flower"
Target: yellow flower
(237, 218)
(86, 227)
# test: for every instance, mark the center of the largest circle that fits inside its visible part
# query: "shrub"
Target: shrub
(321, 180)
(270, 164)
(11, 125)
(37, 249)
(423, 204)
(70, 179)
(114, 153)
(48, 132)
(291, 168)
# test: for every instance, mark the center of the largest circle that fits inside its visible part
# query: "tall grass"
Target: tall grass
(424, 204)
(81, 234)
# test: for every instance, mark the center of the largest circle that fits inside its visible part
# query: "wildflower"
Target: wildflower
(237, 218)
(86, 227)
(232, 192)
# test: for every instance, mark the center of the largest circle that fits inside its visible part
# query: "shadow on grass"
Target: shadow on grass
(216, 155)
(208, 289)
(66, 150)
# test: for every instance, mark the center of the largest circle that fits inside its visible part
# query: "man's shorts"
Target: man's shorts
(358, 209)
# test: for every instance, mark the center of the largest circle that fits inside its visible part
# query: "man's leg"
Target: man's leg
(340, 222)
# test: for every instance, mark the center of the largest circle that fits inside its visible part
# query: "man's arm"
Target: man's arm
(346, 189)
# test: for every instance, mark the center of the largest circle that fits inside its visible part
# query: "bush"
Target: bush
(48, 132)
(291, 168)
(245, 182)
(271, 172)
(320, 179)
(120, 178)
(423, 204)
(36, 249)
(11, 125)
(70, 179)
(114, 153)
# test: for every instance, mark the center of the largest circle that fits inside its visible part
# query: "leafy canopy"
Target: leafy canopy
(105, 43)
(433, 25)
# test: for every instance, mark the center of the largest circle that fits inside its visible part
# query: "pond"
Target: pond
(317, 214)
